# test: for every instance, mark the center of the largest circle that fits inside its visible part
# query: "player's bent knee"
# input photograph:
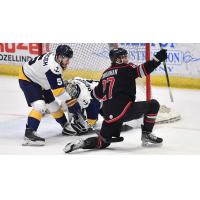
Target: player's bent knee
(39, 106)
(53, 107)
(155, 105)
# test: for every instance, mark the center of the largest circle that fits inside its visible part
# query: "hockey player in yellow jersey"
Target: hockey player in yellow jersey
(41, 81)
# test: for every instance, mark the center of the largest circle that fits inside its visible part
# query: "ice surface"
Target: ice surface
(182, 137)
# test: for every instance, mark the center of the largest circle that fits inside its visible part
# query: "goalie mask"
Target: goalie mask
(72, 89)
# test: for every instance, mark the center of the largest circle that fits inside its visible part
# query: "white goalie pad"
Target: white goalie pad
(167, 115)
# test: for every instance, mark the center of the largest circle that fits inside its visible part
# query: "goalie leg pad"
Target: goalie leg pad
(80, 127)
(80, 124)
(69, 130)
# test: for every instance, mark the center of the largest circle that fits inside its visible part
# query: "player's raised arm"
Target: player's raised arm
(149, 66)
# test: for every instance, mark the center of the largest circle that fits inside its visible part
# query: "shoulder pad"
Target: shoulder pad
(54, 66)
(56, 69)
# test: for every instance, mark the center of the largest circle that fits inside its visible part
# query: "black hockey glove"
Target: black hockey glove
(161, 55)
(79, 124)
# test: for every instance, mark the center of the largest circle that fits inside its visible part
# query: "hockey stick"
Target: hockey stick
(167, 77)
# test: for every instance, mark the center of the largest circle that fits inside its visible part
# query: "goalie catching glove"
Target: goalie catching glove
(78, 125)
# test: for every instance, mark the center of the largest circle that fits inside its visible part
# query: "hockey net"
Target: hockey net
(91, 59)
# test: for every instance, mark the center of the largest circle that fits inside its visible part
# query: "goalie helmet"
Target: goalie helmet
(72, 89)
(64, 51)
(117, 53)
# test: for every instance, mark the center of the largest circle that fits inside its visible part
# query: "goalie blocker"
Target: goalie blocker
(78, 125)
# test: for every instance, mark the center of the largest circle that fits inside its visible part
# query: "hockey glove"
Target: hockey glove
(79, 124)
(72, 89)
(161, 55)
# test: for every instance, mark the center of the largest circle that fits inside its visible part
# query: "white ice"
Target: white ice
(182, 137)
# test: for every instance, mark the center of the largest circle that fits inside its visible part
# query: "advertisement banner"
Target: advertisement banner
(18, 53)
(183, 59)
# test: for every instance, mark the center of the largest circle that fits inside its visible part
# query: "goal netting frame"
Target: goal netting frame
(91, 59)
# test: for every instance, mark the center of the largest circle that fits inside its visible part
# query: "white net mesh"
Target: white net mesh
(91, 59)
(87, 56)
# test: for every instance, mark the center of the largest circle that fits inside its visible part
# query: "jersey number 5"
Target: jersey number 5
(110, 81)
(59, 81)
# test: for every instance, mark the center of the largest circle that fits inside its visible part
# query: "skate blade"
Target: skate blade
(149, 144)
(33, 143)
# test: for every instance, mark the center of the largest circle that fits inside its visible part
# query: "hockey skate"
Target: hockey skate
(31, 139)
(149, 139)
(72, 146)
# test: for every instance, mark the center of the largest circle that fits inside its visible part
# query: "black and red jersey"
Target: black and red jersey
(117, 88)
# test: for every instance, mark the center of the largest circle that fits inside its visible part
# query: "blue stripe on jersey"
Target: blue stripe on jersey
(55, 80)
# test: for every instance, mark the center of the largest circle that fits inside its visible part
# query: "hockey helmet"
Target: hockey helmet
(117, 53)
(72, 88)
(64, 51)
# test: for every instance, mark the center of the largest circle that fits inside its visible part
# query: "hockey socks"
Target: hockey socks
(34, 118)
(60, 117)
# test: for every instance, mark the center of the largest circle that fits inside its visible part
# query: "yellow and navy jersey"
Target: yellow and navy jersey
(46, 72)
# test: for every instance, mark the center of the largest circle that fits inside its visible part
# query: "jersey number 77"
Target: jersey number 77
(108, 82)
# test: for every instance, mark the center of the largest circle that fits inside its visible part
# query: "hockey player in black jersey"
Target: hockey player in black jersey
(117, 90)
